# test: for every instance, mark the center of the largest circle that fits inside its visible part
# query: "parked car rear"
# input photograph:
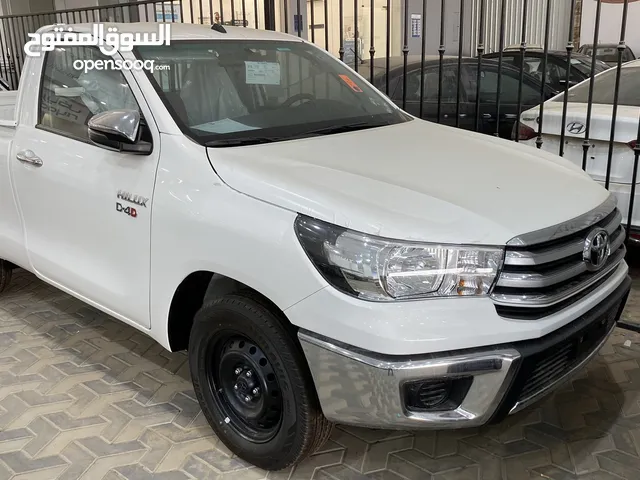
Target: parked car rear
(575, 126)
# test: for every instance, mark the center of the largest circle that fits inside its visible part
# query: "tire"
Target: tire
(283, 423)
(5, 274)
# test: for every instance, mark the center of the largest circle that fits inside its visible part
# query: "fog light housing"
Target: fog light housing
(436, 395)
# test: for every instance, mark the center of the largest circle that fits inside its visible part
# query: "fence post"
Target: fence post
(269, 14)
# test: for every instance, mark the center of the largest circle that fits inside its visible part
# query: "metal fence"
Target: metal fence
(448, 61)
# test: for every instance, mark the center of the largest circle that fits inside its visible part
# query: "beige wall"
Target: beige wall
(610, 23)
(204, 11)
(332, 23)
(196, 11)
(364, 25)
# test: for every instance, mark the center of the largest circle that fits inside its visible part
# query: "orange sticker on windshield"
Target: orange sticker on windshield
(352, 85)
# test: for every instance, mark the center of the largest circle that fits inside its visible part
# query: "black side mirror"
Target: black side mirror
(120, 131)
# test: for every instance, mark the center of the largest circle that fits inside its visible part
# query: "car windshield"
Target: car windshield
(236, 92)
(607, 53)
(604, 87)
(583, 64)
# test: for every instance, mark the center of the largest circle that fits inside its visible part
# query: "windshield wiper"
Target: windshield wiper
(238, 142)
(352, 127)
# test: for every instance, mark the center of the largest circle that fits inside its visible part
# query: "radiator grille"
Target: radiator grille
(541, 279)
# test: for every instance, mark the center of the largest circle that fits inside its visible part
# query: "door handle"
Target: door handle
(510, 116)
(27, 156)
(486, 115)
(463, 115)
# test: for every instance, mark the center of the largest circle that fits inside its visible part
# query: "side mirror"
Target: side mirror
(119, 131)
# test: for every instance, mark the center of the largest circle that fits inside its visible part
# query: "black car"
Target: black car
(608, 53)
(556, 65)
(466, 116)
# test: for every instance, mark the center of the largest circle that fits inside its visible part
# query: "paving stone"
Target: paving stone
(83, 396)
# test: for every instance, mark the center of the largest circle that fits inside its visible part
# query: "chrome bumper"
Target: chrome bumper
(358, 389)
(365, 389)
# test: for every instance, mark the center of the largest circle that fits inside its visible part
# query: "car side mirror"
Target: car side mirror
(119, 131)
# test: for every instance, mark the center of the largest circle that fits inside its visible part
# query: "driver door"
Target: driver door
(87, 210)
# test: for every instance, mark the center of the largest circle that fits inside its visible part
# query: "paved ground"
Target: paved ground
(84, 396)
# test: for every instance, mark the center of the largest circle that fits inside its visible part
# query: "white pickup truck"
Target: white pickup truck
(323, 256)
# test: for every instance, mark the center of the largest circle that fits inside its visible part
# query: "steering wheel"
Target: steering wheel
(298, 97)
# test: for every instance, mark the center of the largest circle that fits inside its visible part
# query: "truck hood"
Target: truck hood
(415, 181)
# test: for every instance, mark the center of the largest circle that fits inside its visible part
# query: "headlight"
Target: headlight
(379, 269)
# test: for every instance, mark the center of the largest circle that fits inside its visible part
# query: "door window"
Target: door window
(431, 84)
(555, 71)
(508, 87)
(70, 97)
(533, 66)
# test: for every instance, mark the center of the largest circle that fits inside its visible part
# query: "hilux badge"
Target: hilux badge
(135, 199)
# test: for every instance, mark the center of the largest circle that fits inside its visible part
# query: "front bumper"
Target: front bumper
(362, 388)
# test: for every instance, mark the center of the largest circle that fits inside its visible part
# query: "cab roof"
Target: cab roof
(184, 31)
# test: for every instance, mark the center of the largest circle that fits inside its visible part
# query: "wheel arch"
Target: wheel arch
(194, 291)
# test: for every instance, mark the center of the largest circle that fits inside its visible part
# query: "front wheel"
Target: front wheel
(253, 384)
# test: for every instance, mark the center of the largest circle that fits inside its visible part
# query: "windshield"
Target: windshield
(604, 87)
(235, 92)
(606, 54)
(583, 64)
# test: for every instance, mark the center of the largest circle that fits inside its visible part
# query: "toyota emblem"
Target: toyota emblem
(596, 249)
(576, 128)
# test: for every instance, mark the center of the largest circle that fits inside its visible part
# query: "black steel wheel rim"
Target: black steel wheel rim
(245, 387)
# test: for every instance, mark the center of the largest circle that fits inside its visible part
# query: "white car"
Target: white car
(323, 256)
(626, 134)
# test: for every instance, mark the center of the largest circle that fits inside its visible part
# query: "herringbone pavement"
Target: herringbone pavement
(83, 396)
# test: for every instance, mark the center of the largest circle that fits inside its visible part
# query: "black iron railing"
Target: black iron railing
(14, 29)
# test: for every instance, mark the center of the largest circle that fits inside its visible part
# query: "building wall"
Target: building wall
(68, 4)
(558, 34)
(18, 7)
(433, 24)
(610, 23)
(534, 26)
(360, 12)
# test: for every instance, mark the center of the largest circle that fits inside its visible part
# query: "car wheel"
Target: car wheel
(253, 384)
(5, 274)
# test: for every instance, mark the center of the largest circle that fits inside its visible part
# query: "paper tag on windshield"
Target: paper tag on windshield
(352, 85)
(262, 73)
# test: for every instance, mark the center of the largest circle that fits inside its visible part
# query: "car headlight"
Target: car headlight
(380, 269)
